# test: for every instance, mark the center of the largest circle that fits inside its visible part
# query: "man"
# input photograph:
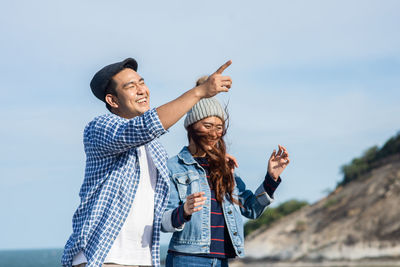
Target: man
(126, 186)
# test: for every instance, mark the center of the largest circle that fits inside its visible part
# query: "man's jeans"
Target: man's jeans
(176, 260)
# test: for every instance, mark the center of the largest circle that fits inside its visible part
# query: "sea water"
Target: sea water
(40, 257)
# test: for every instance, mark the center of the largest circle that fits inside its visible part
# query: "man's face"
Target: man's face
(133, 96)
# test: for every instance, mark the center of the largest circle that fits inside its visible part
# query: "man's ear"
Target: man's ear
(112, 100)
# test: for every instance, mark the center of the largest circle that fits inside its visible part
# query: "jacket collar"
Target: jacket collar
(186, 157)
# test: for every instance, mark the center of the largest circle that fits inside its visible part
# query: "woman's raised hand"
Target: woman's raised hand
(232, 162)
(278, 162)
(194, 202)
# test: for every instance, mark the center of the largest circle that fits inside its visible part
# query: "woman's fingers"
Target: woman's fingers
(285, 153)
(273, 155)
(195, 195)
(282, 153)
(280, 150)
(199, 199)
(197, 209)
(231, 161)
(195, 202)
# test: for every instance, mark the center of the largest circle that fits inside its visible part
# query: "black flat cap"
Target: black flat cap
(101, 79)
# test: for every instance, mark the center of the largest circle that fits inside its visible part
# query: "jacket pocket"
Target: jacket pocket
(187, 184)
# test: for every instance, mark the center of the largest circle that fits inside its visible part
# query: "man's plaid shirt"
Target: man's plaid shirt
(111, 179)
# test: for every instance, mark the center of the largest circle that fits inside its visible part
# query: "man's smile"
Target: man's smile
(141, 100)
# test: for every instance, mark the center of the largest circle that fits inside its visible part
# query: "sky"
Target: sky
(319, 77)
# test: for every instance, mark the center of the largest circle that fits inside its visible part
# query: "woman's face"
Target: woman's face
(210, 128)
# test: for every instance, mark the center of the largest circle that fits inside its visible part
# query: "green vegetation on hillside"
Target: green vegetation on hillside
(273, 214)
(369, 160)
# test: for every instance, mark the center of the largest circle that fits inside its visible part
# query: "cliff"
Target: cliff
(360, 220)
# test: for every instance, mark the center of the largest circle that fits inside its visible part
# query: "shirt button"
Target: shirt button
(230, 212)
(239, 252)
(187, 180)
(235, 233)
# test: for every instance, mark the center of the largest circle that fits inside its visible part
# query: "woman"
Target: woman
(207, 199)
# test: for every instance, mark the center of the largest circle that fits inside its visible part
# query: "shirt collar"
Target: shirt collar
(186, 157)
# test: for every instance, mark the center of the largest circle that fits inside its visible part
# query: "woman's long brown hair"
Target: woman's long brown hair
(221, 177)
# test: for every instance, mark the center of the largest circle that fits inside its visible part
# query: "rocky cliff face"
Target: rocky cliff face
(360, 220)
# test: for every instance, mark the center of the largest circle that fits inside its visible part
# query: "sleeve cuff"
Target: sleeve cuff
(156, 126)
(177, 217)
(167, 222)
(270, 184)
(262, 197)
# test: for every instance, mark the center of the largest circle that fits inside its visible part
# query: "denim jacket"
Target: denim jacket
(187, 177)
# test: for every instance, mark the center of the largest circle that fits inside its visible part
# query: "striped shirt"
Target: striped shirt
(221, 244)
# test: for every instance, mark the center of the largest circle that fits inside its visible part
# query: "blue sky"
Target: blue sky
(320, 77)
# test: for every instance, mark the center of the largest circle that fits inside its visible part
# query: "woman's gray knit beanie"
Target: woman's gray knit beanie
(206, 107)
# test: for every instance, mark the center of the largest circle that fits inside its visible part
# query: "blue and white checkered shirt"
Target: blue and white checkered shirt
(111, 179)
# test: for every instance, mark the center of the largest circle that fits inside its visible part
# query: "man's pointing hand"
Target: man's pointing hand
(216, 83)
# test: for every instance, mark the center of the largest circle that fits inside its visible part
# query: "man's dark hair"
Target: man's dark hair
(110, 89)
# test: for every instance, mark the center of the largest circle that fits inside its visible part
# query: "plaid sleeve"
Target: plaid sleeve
(113, 134)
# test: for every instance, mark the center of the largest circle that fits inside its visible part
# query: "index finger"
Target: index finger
(223, 67)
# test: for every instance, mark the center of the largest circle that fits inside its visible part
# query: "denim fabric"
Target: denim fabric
(176, 260)
(187, 177)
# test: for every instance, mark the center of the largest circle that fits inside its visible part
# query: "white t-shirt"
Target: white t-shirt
(133, 244)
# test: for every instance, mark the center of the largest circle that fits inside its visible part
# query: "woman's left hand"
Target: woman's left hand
(278, 162)
(232, 162)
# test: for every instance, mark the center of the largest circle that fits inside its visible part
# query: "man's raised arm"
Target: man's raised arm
(171, 112)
